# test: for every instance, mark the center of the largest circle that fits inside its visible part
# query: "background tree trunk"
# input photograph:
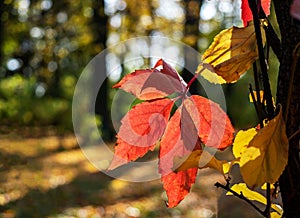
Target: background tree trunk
(100, 38)
(290, 36)
(191, 35)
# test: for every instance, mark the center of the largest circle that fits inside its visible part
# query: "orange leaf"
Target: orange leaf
(213, 125)
(176, 185)
(197, 119)
(141, 128)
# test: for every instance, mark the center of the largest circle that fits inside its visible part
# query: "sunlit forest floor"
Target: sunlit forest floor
(45, 174)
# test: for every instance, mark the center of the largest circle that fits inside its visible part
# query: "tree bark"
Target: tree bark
(191, 32)
(290, 36)
(100, 20)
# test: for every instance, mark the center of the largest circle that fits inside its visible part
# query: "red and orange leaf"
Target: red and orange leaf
(176, 185)
(213, 125)
(168, 70)
(125, 153)
(153, 83)
(246, 11)
(140, 129)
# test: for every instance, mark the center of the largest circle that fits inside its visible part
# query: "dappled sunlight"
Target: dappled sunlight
(49, 176)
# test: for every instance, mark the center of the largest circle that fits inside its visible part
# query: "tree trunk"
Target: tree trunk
(290, 37)
(100, 20)
(191, 32)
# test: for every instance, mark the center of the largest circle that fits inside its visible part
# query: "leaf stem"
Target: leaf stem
(240, 196)
(197, 73)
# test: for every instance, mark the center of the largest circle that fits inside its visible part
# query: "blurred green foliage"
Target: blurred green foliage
(45, 45)
(20, 104)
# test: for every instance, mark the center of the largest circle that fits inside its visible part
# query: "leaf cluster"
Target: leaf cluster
(198, 123)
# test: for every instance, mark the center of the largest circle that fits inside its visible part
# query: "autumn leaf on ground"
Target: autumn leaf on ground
(230, 55)
(246, 11)
(141, 128)
(153, 83)
(265, 158)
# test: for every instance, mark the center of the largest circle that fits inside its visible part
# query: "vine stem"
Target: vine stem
(240, 196)
(197, 73)
(255, 7)
(258, 102)
(262, 60)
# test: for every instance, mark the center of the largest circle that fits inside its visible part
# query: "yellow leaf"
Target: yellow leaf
(208, 74)
(249, 194)
(264, 187)
(253, 196)
(266, 155)
(232, 53)
(261, 95)
(241, 141)
(275, 215)
(200, 159)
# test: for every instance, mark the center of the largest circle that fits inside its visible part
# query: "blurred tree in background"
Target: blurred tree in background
(45, 45)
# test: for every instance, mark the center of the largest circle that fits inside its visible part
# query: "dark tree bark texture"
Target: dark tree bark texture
(100, 20)
(191, 31)
(290, 37)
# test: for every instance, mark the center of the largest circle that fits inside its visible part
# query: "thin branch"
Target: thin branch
(256, 9)
(268, 207)
(255, 102)
(262, 60)
(273, 40)
(240, 196)
(294, 134)
(271, 35)
(259, 102)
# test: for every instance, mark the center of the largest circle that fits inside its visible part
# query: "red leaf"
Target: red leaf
(176, 185)
(141, 128)
(198, 120)
(152, 83)
(246, 11)
(168, 70)
(213, 125)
